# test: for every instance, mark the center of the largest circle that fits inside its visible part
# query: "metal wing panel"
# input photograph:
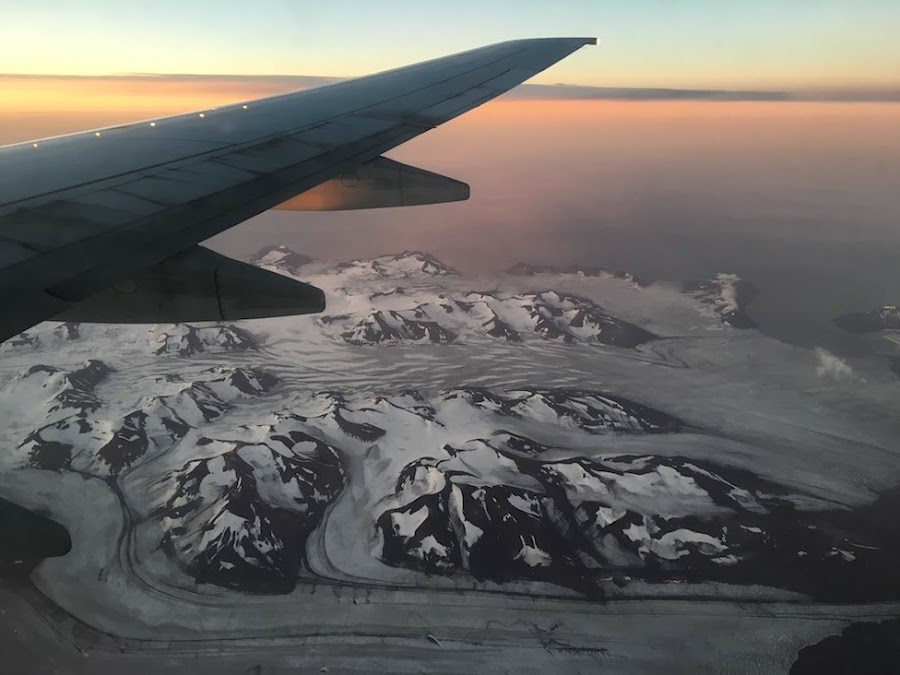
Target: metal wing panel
(136, 194)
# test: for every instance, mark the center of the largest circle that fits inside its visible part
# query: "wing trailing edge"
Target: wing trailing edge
(198, 285)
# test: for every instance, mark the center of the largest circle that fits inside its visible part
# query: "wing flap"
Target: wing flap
(380, 183)
(198, 285)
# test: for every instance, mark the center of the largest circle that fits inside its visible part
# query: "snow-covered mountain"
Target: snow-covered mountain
(186, 339)
(504, 508)
(590, 411)
(574, 427)
(513, 318)
(886, 317)
(501, 485)
(578, 516)
(240, 515)
(406, 265)
(414, 298)
(72, 432)
(281, 257)
(43, 336)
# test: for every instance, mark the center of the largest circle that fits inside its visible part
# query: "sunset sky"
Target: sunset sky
(660, 43)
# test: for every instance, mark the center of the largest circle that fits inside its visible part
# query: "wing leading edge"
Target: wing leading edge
(82, 212)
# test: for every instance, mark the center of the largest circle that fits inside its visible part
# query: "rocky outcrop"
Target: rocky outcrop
(886, 317)
(187, 339)
(728, 296)
(241, 517)
(511, 318)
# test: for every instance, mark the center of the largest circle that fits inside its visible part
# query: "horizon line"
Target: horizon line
(564, 91)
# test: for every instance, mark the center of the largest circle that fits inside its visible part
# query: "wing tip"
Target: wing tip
(567, 41)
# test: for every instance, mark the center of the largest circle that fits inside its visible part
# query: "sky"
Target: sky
(782, 44)
(795, 194)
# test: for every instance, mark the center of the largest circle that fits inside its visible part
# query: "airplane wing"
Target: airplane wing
(104, 225)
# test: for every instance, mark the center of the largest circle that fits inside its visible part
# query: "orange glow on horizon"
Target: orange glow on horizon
(37, 107)
(141, 95)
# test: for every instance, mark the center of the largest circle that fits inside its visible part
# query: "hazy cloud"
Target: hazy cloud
(832, 366)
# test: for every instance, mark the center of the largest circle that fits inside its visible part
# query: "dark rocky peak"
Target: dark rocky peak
(410, 401)
(591, 411)
(407, 264)
(334, 407)
(398, 326)
(249, 381)
(650, 517)
(240, 518)
(428, 263)
(72, 389)
(187, 340)
(728, 295)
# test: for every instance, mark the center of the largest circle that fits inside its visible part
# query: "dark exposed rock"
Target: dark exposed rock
(25, 339)
(549, 315)
(82, 382)
(728, 295)
(881, 318)
(656, 518)
(495, 533)
(406, 264)
(160, 422)
(50, 447)
(129, 442)
(592, 411)
(162, 419)
(337, 411)
(251, 381)
(411, 401)
(872, 648)
(240, 519)
(187, 340)
(390, 326)
(74, 389)
(280, 256)
(894, 365)
(69, 330)
(48, 454)
(497, 328)
(387, 294)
